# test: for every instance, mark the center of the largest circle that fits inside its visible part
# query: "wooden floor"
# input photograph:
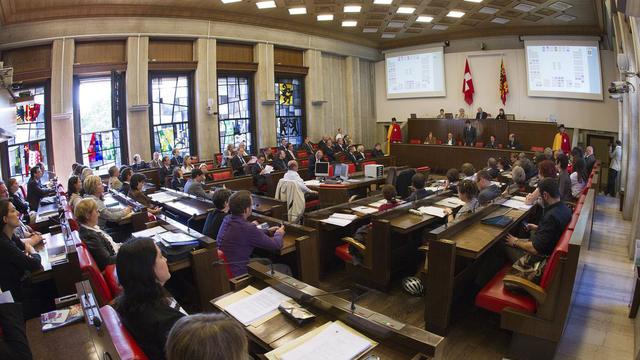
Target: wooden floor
(598, 327)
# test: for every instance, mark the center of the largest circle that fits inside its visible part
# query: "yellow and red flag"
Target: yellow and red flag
(504, 85)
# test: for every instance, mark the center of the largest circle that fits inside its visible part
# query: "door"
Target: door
(600, 144)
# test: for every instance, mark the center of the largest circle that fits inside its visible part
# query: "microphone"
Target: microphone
(306, 298)
(189, 223)
(270, 263)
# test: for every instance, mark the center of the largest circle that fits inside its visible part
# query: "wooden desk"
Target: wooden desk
(59, 262)
(447, 277)
(44, 213)
(71, 342)
(441, 158)
(396, 340)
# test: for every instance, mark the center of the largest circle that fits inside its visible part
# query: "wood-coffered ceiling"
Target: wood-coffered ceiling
(379, 20)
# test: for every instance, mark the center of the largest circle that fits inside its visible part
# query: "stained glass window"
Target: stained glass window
(29, 146)
(289, 110)
(234, 111)
(100, 144)
(171, 113)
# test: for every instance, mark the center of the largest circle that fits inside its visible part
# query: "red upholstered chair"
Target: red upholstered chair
(274, 149)
(330, 170)
(111, 277)
(218, 157)
(415, 141)
(304, 163)
(227, 268)
(301, 154)
(222, 175)
(210, 167)
(124, 343)
(439, 142)
(459, 143)
(364, 163)
(90, 271)
(500, 146)
(23, 189)
(537, 148)
(351, 168)
(342, 252)
(194, 158)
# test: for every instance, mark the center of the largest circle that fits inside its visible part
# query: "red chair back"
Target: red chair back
(227, 268)
(479, 144)
(351, 167)
(218, 157)
(301, 154)
(415, 141)
(222, 175)
(304, 163)
(90, 270)
(537, 148)
(330, 170)
(124, 343)
(561, 250)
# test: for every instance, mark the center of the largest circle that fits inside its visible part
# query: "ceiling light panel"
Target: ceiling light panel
(565, 17)
(455, 14)
(297, 11)
(424, 19)
(370, 30)
(388, 36)
(500, 20)
(560, 6)
(524, 7)
(440, 27)
(395, 24)
(406, 10)
(349, 23)
(352, 8)
(324, 17)
(229, 1)
(383, 2)
(488, 10)
(266, 4)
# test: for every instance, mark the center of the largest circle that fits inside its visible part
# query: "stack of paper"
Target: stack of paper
(177, 239)
(451, 202)
(267, 169)
(340, 219)
(333, 340)
(433, 211)
(312, 183)
(149, 232)
(378, 203)
(163, 197)
(365, 210)
(516, 204)
(110, 201)
(256, 306)
(434, 188)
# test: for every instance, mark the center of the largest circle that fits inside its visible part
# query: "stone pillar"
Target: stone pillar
(137, 78)
(634, 122)
(206, 99)
(265, 96)
(354, 109)
(62, 127)
(314, 92)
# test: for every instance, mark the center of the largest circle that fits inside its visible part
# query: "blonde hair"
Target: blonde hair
(83, 209)
(86, 172)
(206, 337)
(91, 183)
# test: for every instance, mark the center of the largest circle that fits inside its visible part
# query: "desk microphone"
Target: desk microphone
(272, 272)
(189, 223)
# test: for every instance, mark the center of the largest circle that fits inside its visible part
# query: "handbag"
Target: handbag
(529, 267)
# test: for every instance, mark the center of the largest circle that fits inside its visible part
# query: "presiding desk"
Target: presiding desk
(443, 157)
(449, 274)
(395, 340)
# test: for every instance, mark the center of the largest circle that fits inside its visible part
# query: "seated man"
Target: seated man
(292, 175)
(488, 191)
(291, 154)
(280, 163)
(377, 151)
(215, 217)
(36, 192)
(194, 185)
(307, 146)
(258, 173)
(351, 155)
(238, 163)
(418, 181)
(492, 168)
(492, 143)
(513, 144)
(328, 150)
(156, 162)
(238, 237)
(450, 139)
(138, 163)
(176, 160)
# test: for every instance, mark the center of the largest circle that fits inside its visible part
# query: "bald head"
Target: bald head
(588, 151)
(292, 165)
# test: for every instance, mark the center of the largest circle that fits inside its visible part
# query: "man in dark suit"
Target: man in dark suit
(418, 182)
(351, 155)
(257, 171)
(469, 134)
(589, 158)
(165, 170)
(238, 163)
(176, 160)
(283, 144)
(291, 154)
(492, 144)
(340, 146)
(328, 150)
(280, 163)
(481, 114)
(513, 144)
(308, 146)
(138, 163)
(317, 157)
(35, 192)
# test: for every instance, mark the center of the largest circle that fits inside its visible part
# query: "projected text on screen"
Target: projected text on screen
(419, 74)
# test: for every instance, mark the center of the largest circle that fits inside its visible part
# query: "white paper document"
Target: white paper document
(515, 204)
(177, 237)
(336, 221)
(378, 203)
(451, 202)
(163, 197)
(256, 306)
(433, 188)
(519, 198)
(345, 216)
(365, 209)
(312, 182)
(149, 232)
(267, 169)
(335, 342)
(433, 211)
(5, 297)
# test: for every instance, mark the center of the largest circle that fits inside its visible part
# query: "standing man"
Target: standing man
(615, 154)
(469, 134)
(394, 135)
(561, 141)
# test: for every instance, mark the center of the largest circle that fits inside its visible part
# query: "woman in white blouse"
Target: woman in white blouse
(186, 165)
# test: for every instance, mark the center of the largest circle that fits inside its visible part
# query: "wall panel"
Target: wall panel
(29, 63)
(335, 90)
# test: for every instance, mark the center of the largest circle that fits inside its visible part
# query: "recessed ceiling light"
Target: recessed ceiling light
(524, 7)
(488, 10)
(297, 11)
(352, 8)
(455, 14)
(424, 19)
(565, 17)
(266, 4)
(500, 20)
(388, 36)
(395, 24)
(382, 2)
(370, 30)
(560, 6)
(324, 17)
(474, 1)
(406, 10)
(349, 23)
(230, 1)
(439, 27)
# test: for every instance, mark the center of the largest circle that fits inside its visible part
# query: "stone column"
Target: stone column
(137, 78)
(206, 99)
(354, 109)
(265, 96)
(62, 127)
(314, 92)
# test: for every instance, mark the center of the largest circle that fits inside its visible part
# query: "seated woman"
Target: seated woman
(579, 176)
(453, 177)
(177, 181)
(85, 173)
(546, 169)
(214, 218)
(186, 165)
(430, 139)
(114, 181)
(99, 243)
(93, 189)
(136, 193)
(468, 192)
(73, 191)
(503, 165)
(145, 307)
(211, 336)
(17, 259)
(389, 193)
(22, 205)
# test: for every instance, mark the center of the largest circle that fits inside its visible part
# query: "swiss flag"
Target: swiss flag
(467, 84)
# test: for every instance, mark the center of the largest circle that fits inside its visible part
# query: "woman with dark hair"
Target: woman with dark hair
(546, 169)
(136, 193)
(453, 177)
(578, 177)
(17, 259)
(73, 191)
(389, 193)
(125, 177)
(145, 307)
(503, 165)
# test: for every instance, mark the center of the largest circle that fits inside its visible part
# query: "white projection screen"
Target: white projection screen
(415, 73)
(564, 69)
